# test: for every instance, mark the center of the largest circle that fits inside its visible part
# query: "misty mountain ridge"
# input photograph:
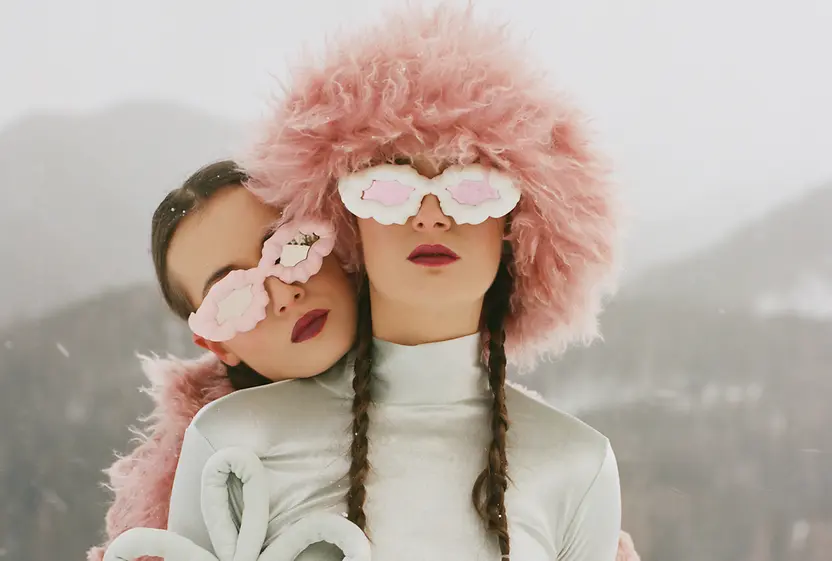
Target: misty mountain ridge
(676, 356)
(778, 264)
(80, 192)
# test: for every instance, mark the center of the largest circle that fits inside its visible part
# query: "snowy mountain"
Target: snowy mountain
(781, 263)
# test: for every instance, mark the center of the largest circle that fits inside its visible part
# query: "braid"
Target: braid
(361, 384)
(490, 488)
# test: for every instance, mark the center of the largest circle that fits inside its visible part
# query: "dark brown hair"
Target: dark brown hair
(489, 493)
(197, 190)
(489, 490)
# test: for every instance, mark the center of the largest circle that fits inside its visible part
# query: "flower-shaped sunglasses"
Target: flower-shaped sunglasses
(237, 302)
(391, 194)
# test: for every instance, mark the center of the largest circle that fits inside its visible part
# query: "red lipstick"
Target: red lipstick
(432, 256)
(309, 325)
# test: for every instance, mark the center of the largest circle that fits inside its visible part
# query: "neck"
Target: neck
(433, 373)
(414, 324)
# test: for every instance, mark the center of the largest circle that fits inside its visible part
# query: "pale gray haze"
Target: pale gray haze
(713, 111)
(714, 378)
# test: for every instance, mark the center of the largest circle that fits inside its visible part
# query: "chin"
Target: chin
(334, 348)
(310, 370)
(309, 374)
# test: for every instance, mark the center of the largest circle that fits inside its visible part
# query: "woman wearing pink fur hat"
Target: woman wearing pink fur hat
(482, 229)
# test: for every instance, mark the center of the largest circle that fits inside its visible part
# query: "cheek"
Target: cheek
(366, 229)
(330, 282)
(250, 346)
(497, 238)
(378, 243)
(488, 239)
(333, 287)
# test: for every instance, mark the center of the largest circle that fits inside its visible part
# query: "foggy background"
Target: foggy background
(714, 380)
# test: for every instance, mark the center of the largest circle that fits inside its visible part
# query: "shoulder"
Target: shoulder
(257, 417)
(543, 435)
(564, 475)
(544, 424)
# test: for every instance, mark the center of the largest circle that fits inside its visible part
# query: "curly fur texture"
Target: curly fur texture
(626, 548)
(443, 84)
(141, 481)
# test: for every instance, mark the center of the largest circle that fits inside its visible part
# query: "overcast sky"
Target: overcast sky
(713, 110)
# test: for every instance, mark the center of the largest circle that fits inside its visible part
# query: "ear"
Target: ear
(218, 349)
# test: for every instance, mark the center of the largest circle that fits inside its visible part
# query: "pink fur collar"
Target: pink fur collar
(141, 481)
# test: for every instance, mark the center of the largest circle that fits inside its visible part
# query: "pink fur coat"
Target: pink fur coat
(142, 480)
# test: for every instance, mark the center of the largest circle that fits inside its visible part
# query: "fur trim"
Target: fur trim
(626, 548)
(141, 482)
(443, 84)
(530, 393)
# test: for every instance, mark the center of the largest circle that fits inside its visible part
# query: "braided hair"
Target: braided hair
(489, 489)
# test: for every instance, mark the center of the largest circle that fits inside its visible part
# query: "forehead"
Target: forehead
(227, 230)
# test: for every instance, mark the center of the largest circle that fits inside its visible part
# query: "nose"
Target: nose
(430, 217)
(283, 296)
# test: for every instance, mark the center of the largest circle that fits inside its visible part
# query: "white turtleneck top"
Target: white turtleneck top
(429, 433)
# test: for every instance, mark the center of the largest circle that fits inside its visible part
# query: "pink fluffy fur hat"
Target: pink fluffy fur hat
(444, 84)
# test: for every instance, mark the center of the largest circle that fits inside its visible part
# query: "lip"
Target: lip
(432, 255)
(309, 325)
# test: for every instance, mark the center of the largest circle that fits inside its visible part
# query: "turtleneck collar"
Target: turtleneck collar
(432, 373)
